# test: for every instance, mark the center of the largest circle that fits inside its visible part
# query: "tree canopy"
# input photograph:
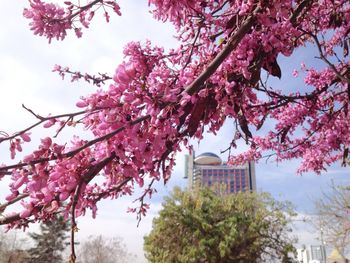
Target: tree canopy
(332, 217)
(157, 100)
(206, 227)
(99, 249)
(50, 242)
(12, 248)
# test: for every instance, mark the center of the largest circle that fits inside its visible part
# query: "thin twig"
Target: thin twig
(77, 150)
(41, 120)
(92, 172)
(15, 200)
(116, 189)
(232, 43)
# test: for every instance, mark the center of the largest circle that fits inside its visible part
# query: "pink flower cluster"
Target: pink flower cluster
(48, 19)
(52, 21)
(158, 101)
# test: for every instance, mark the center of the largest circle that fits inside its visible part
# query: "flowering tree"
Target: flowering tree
(156, 100)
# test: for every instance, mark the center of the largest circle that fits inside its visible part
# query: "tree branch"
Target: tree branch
(233, 42)
(15, 200)
(41, 120)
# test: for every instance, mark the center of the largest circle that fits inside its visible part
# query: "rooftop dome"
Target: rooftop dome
(207, 159)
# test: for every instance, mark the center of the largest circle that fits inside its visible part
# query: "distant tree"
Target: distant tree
(15, 256)
(11, 248)
(99, 249)
(205, 227)
(333, 216)
(49, 244)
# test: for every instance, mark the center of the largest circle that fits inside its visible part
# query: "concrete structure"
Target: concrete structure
(312, 254)
(208, 170)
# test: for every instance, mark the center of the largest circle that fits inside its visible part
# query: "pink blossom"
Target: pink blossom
(25, 213)
(49, 123)
(124, 74)
(64, 196)
(81, 104)
(46, 142)
(47, 20)
(54, 206)
(25, 137)
(295, 73)
(12, 196)
(28, 208)
(33, 186)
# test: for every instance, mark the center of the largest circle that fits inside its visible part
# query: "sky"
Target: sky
(26, 77)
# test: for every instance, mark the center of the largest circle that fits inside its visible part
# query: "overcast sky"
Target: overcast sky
(26, 62)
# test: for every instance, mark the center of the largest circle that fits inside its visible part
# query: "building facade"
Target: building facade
(312, 254)
(208, 170)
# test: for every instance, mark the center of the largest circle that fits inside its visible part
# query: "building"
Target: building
(312, 254)
(208, 170)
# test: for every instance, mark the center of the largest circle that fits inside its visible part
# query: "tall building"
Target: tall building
(312, 254)
(207, 169)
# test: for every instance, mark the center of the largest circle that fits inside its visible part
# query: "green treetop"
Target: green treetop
(204, 227)
(49, 244)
